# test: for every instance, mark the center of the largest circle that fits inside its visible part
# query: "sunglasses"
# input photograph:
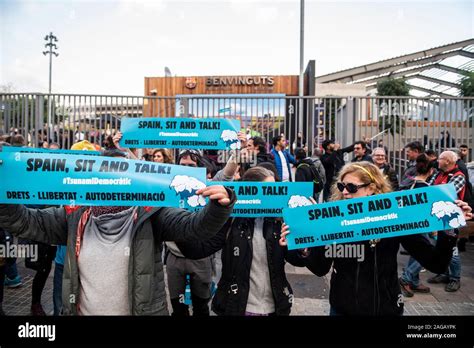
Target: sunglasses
(351, 188)
(189, 151)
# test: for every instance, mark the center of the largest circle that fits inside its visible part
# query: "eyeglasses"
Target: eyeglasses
(379, 155)
(351, 188)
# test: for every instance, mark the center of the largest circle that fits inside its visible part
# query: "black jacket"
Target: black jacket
(333, 162)
(391, 176)
(305, 174)
(265, 157)
(366, 157)
(233, 287)
(371, 287)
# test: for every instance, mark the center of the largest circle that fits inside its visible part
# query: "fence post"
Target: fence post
(39, 117)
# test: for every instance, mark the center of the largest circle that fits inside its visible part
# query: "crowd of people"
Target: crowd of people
(234, 265)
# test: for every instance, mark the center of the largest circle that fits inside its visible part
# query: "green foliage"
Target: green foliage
(467, 85)
(392, 119)
(393, 87)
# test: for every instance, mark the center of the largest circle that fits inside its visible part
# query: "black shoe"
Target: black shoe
(453, 286)
(439, 279)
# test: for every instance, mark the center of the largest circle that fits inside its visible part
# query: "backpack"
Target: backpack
(317, 179)
(468, 196)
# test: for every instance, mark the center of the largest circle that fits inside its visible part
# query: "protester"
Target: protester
(464, 149)
(361, 152)
(253, 278)
(410, 279)
(162, 156)
(257, 146)
(413, 149)
(371, 286)
(113, 262)
(380, 160)
(306, 171)
(333, 161)
(283, 158)
(450, 173)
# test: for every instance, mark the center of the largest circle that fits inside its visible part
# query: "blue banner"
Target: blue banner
(381, 216)
(259, 199)
(54, 179)
(41, 150)
(189, 133)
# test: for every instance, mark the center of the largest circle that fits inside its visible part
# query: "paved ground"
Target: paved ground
(311, 293)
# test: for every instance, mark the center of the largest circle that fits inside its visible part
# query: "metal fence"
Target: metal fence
(391, 122)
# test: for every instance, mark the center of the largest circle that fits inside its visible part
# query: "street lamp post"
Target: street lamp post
(51, 47)
(301, 80)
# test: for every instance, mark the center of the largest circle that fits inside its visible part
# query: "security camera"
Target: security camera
(153, 91)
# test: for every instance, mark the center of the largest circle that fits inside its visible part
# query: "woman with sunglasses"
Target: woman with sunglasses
(369, 285)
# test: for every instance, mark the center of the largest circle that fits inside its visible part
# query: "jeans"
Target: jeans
(11, 272)
(58, 288)
(411, 275)
(454, 269)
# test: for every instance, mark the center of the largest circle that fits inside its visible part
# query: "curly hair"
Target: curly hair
(367, 173)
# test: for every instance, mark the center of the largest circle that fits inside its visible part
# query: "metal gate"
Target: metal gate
(438, 123)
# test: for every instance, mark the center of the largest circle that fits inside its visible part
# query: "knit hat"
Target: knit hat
(83, 145)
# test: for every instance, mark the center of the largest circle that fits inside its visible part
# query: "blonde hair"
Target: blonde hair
(367, 173)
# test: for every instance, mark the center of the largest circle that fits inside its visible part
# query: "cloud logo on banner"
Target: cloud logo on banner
(186, 187)
(231, 140)
(298, 201)
(449, 213)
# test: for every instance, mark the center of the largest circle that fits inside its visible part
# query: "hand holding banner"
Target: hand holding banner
(39, 178)
(264, 199)
(380, 216)
(171, 133)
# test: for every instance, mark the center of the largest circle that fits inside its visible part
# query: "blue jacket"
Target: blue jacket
(278, 165)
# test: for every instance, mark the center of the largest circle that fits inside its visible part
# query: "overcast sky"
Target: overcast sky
(108, 47)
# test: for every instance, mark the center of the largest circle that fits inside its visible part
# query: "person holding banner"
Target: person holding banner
(178, 265)
(449, 172)
(368, 284)
(253, 281)
(113, 262)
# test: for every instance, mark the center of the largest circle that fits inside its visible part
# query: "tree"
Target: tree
(392, 119)
(467, 90)
(467, 85)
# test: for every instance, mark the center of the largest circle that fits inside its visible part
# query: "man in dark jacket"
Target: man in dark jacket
(258, 146)
(412, 149)
(333, 161)
(361, 152)
(138, 264)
